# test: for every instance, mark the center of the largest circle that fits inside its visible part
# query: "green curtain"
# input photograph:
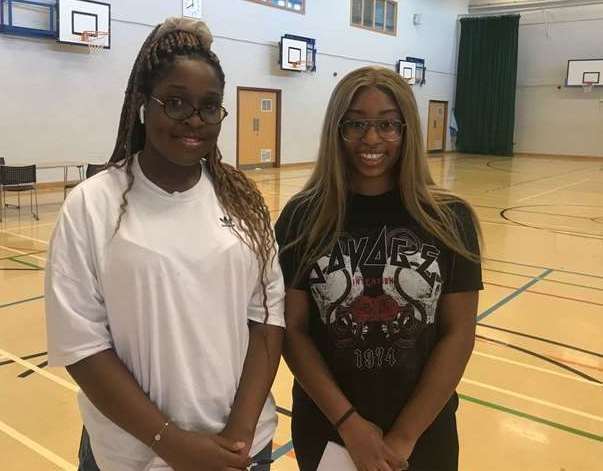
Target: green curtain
(486, 84)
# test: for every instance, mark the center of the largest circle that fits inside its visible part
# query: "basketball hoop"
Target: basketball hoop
(95, 40)
(588, 87)
(297, 65)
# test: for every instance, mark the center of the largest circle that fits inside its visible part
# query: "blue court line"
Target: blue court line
(283, 450)
(514, 294)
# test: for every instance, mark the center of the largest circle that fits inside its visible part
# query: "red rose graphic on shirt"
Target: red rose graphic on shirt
(388, 308)
(363, 309)
(380, 309)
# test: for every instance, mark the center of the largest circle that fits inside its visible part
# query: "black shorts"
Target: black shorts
(436, 450)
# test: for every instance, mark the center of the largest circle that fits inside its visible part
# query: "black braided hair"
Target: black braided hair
(239, 196)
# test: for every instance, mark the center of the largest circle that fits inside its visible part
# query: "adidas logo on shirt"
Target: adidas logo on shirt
(227, 221)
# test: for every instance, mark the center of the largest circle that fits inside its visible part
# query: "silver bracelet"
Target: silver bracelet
(157, 437)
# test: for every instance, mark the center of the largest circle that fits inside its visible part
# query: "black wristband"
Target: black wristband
(344, 417)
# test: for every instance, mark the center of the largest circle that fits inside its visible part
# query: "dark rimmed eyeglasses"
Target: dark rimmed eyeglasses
(180, 110)
(389, 130)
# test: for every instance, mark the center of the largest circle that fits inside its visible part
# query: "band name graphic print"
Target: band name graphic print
(376, 294)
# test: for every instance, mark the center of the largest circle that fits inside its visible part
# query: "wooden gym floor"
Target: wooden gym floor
(532, 397)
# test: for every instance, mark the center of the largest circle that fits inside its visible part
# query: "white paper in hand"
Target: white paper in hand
(336, 457)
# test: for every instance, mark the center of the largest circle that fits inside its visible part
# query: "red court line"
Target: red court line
(588, 275)
(548, 279)
(559, 359)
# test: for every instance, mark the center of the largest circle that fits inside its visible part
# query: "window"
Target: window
(357, 12)
(292, 5)
(379, 14)
(376, 15)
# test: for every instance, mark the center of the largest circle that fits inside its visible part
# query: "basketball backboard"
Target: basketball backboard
(297, 53)
(584, 71)
(408, 71)
(79, 16)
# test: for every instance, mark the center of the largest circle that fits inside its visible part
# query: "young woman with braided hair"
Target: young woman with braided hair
(164, 298)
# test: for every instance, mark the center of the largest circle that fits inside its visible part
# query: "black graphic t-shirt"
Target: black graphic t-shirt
(374, 314)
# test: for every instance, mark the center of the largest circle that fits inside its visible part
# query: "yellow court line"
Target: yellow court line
(25, 237)
(29, 443)
(537, 368)
(20, 227)
(38, 370)
(75, 388)
(552, 191)
(534, 400)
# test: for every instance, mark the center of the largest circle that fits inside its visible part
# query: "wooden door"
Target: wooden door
(258, 128)
(437, 122)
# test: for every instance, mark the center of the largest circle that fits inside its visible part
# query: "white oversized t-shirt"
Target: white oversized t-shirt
(171, 292)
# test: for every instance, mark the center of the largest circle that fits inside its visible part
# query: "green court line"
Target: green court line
(22, 262)
(533, 418)
(23, 255)
(276, 454)
(21, 302)
(491, 405)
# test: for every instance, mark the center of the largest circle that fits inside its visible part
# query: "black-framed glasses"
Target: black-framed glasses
(389, 130)
(179, 110)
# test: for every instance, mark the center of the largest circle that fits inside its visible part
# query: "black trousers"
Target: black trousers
(436, 450)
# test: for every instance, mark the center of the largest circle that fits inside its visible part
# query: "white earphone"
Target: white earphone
(141, 114)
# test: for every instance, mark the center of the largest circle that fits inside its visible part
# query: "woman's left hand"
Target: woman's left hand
(232, 433)
(401, 446)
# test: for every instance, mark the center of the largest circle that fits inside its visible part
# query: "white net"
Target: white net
(95, 40)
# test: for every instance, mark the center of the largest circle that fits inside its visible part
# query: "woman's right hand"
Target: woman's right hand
(198, 451)
(365, 444)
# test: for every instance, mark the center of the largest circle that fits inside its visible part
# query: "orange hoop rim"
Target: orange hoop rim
(298, 66)
(91, 36)
(94, 40)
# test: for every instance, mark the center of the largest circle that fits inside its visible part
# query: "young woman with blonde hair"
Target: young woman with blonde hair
(382, 269)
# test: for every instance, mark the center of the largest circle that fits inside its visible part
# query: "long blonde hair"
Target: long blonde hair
(324, 195)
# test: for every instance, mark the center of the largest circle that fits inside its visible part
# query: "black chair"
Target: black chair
(91, 169)
(70, 185)
(3, 162)
(19, 179)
